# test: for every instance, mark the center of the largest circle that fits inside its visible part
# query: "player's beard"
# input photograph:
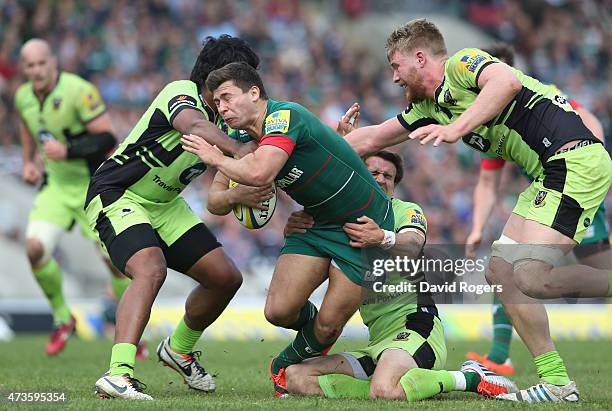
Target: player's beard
(415, 90)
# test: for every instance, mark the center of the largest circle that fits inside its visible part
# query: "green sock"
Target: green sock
(550, 368)
(419, 383)
(307, 313)
(119, 285)
(502, 334)
(49, 278)
(123, 358)
(344, 386)
(610, 283)
(472, 380)
(304, 346)
(183, 338)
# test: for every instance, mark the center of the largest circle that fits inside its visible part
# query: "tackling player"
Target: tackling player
(134, 205)
(63, 118)
(320, 171)
(498, 110)
(406, 351)
(594, 250)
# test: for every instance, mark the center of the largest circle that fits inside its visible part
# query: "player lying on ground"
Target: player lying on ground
(320, 171)
(406, 350)
(134, 205)
(498, 110)
(63, 118)
(594, 250)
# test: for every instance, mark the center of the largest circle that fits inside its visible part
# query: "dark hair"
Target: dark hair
(502, 51)
(393, 158)
(243, 75)
(217, 52)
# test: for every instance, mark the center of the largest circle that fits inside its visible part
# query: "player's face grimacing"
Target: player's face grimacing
(383, 172)
(238, 108)
(406, 74)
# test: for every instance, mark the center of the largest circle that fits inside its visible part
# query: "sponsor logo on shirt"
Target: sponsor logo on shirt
(157, 180)
(180, 101)
(477, 142)
(560, 99)
(402, 336)
(191, 173)
(92, 100)
(473, 61)
(56, 102)
(417, 218)
(278, 122)
(293, 175)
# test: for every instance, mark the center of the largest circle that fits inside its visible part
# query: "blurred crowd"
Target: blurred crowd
(130, 49)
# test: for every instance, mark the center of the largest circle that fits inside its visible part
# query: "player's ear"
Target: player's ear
(420, 58)
(254, 93)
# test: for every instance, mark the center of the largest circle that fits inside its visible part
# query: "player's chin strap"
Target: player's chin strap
(521, 254)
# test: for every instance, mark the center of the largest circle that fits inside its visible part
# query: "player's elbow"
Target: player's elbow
(261, 178)
(514, 84)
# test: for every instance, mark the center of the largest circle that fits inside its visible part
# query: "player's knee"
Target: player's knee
(34, 251)
(229, 279)
(327, 328)
(386, 392)
(278, 315)
(533, 279)
(293, 377)
(154, 272)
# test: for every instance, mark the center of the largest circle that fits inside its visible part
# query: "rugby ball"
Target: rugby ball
(254, 218)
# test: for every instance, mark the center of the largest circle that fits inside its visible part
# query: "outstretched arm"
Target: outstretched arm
(370, 139)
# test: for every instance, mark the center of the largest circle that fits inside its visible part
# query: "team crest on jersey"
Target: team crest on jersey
(278, 122)
(560, 99)
(477, 142)
(472, 61)
(417, 219)
(539, 199)
(403, 336)
(587, 222)
(448, 98)
(191, 173)
(56, 103)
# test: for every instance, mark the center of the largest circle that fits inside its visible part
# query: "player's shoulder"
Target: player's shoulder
(467, 59)
(282, 115)
(72, 82)
(178, 86)
(396, 203)
(23, 92)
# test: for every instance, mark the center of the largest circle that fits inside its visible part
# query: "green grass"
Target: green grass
(242, 378)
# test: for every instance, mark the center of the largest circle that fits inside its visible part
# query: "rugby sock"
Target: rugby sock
(49, 278)
(183, 339)
(307, 313)
(502, 334)
(610, 283)
(344, 386)
(304, 346)
(419, 383)
(550, 368)
(119, 285)
(123, 358)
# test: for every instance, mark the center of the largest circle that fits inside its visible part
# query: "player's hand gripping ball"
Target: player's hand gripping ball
(254, 218)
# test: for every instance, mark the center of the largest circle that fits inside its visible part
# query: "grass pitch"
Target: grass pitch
(242, 377)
